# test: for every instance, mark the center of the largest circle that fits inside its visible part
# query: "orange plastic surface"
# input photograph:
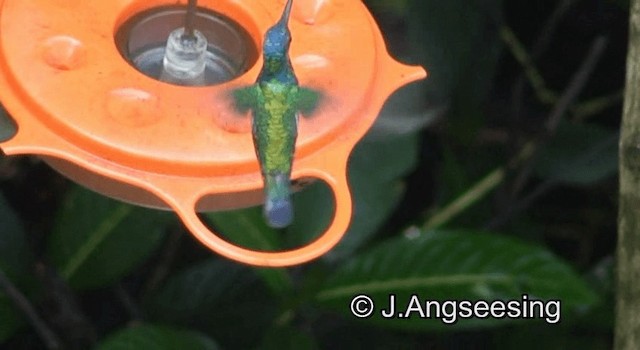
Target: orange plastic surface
(81, 106)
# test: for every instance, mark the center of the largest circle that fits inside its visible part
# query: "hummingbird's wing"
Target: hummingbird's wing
(245, 98)
(308, 100)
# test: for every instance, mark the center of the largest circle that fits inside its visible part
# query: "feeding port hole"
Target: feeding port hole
(150, 37)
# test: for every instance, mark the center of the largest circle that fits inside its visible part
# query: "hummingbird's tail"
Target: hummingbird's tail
(277, 206)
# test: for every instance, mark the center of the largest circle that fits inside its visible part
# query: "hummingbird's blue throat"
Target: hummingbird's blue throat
(279, 69)
(277, 41)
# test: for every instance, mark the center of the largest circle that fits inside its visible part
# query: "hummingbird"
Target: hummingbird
(276, 100)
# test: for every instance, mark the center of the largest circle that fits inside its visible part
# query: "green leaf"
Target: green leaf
(552, 337)
(15, 262)
(448, 265)
(97, 240)
(374, 171)
(373, 204)
(313, 210)
(15, 256)
(283, 338)
(157, 338)
(10, 319)
(579, 154)
(395, 7)
(247, 228)
(221, 298)
(454, 177)
(448, 35)
(385, 160)
(346, 335)
(201, 286)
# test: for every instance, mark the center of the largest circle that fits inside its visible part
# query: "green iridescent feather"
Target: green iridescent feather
(275, 101)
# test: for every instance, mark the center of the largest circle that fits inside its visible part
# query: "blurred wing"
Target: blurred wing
(245, 98)
(308, 101)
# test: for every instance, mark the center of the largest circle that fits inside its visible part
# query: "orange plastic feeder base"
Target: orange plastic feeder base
(80, 104)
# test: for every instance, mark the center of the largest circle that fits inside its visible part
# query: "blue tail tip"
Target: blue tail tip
(279, 213)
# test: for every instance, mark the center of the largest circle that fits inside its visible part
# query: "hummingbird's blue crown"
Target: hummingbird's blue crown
(278, 37)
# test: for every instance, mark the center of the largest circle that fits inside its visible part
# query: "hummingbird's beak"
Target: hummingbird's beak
(284, 20)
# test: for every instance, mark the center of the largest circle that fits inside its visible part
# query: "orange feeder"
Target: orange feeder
(76, 77)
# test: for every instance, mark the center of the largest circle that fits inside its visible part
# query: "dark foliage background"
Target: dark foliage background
(496, 177)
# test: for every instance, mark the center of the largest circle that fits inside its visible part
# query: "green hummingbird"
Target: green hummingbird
(275, 100)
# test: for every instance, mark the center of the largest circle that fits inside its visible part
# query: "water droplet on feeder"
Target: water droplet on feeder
(64, 52)
(133, 107)
(313, 11)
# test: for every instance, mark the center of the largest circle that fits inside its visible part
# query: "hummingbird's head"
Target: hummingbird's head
(278, 37)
